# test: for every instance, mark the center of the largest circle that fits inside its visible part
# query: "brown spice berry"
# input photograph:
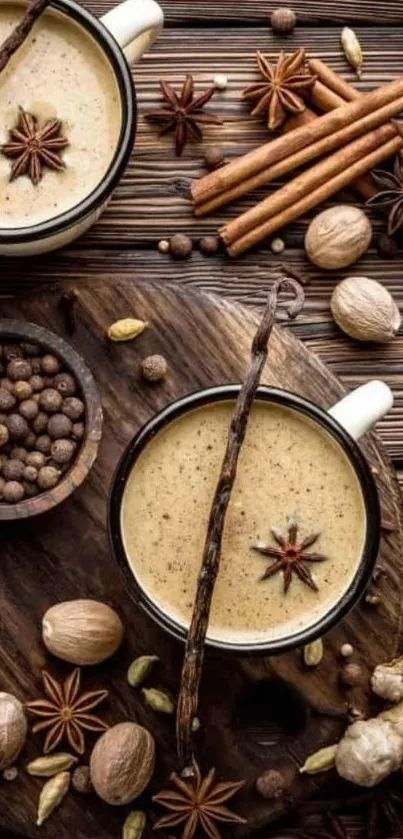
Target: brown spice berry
(271, 784)
(30, 440)
(30, 349)
(30, 474)
(17, 426)
(77, 431)
(4, 435)
(283, 20)
(28, 409)
(180, 246)
(13, 470)
(48, 477)
(30, 489)
(2, 485)
(213, 157)
(19, 453)
(154, 368)
(209, 245)
(36, 459)
(81, 779)
(59, 426)
(387, 246)
(40, 422)
(11, 351)
(65, 384)
(36, 366)
(62, 451)
(73, 407)
(352, 675)
(50, 365)
(22, 390)
(7, 400)
(43, 444)
(13, 492)
(18, 369)
(5, 384)
(50, 400)
(37, 383)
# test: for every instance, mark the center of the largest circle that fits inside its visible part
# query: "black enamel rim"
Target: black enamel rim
(125, 143)
(266, 394)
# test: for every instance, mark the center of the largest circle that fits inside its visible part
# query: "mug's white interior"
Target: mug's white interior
(289, 465)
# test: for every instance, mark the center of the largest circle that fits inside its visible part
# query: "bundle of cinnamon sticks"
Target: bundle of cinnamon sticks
(353, 136)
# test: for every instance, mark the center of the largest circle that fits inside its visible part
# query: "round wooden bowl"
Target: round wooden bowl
(23, 331)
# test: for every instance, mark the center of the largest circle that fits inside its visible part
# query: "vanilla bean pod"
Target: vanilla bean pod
(194, 650)
(21, 31)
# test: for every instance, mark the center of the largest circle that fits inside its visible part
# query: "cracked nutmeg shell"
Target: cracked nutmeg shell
(122, 763)
(82, 632)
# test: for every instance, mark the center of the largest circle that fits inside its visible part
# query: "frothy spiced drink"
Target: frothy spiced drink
(61, 73)
(288, 466)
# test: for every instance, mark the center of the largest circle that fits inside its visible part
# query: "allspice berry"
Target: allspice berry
(7, 400)
(180, 246)
(13, 470)
(18, 369)
(37, 383)
(50, 400)
(73, 408)
(4, 435)
(352, 675)
(11, 351)
(18, 427)
(36, 459)
(283, 20)
(13, 492)
(22, 390)
(30, 489)
(77, 431)
(28, 409)
(40, 422)
(62, 451)
(59, 426)
(154, 368)
(271, 784)
(48, 477)
(18, 453)
(65, 384)
(81, 779)
(30, 440)
(43, 443)
(50, 365)
(30, 474)
(209, 245)
(213, 157)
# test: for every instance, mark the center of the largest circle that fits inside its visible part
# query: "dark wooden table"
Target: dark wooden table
(205, 37)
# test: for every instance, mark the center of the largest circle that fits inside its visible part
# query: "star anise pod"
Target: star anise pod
(384, 809)
(332, 828)
(291, 556)
(65, 712)
(283, 89)
(198, 802)
(390, 195)
(183, 113)
(34, 147)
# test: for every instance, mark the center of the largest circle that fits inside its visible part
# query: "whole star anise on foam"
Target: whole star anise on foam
(283, 89)
(291, 556)
(198, 802)
(34, 147)
(183, 113)
(65, 712)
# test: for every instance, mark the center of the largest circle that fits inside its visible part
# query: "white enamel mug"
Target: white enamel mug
(124, 34)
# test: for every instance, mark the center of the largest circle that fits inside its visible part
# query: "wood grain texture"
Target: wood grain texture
(65, 554)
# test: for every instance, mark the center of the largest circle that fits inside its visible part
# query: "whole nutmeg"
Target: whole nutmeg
(209, 245)
(365, 310)
(352, 675)
(22, 390)
(283, 20)
(18, 427)
(19, 369)
(82, 632)
(7, 399)
(13, 492)
(65, 384)
(48, 477)
(62, 451)
(337, 237)
(180, 246)
(4, 435)
(271, 784)
(50, 364)
(154, 368)
(59, 426)
(13, 729)
(122, 763)
(13, 470)
(28, 409)
(73, 408)
(213, 157)
(50, 400)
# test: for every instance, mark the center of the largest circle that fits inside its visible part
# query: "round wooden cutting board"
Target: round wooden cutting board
(255, 713)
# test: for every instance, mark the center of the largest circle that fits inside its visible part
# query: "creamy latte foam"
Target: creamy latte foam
(59, 72)
(288, 464)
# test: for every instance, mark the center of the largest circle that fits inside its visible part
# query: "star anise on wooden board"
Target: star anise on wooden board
(390, 195)
(183, 113)
(198, 803)
(291, 556)
(284, 88)
(34, 148)
(65, 712)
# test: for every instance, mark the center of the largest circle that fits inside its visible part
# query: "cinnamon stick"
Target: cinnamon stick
(311, 199)
(21, 31)
(242, 169)
(311, 152)
(194, 650)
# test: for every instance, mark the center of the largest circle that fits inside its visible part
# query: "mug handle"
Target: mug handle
(135, 24)
(360, 410)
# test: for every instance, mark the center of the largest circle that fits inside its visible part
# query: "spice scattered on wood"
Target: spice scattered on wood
(313, 653)
(365, 310)
(154, 368)
(387, 680)
(163, 246)
(284, 88)
(277, 245)
(180, 246)
(83, 632)
(21, 31)
(81, 780)
(183, 113)
(352, 675)
(283, 20)
(134, 825)
(320, 761)
(271, 784)
(220, 81)
(49, 765)
(122, 763)
(10, 774)
(352, 49)
(140, 669)
(194, 649)
(291, 556)
(13, 729)
(52, 795)
(209, 245)
(126, 329)
(338, 236)
(346, 650)
(213, 157)
(158, 700)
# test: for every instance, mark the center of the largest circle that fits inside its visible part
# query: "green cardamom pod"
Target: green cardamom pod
(140, 669)
(313, 653)
(158, 700)
(45, 767)
(352, 49)
(126, 329)
(52, 794)
(320, 761)
(134, 825)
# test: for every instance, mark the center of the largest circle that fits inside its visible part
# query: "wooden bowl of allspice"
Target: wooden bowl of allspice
(50, 419)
